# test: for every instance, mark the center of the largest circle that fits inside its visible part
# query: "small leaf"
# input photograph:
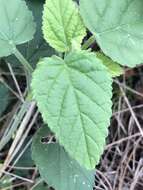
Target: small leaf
(118, 28)
(114, 68)
(16, 25)
(62, 24)
(57, 168)
(74, 97)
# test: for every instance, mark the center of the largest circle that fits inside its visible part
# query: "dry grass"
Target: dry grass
(121, 166)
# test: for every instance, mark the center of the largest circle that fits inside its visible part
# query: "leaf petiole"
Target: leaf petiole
(23, 61)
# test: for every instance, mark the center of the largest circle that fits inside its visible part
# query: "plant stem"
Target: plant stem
(23, 61)
(26, 64)
(88, 43)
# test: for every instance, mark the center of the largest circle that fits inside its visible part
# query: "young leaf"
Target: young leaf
(74, 97)
(57, 168)
(118, 28)
(16, 25)
(114, 68)
(62, 24)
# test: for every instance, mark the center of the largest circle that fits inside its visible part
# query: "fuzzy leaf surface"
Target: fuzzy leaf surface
(62, 24)
(118, 28)
(37, 47)
(74, 97)
(16, 25)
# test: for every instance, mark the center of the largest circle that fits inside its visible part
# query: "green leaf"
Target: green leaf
(62, 24)
(16, 25)
(118, 28)
(36, 48)
(4, 98)
(74, 97)
(57, 168)
(114, 68)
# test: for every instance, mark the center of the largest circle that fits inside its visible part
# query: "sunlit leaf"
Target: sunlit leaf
(62, 24)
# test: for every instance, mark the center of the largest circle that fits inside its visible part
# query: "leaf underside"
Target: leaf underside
(62, 24)
(57, 168)
(74, 97)
(16, 25)
(118, 28)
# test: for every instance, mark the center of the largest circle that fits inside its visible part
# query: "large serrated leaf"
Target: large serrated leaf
(74, 97)
(62, 24)
(118, 28)
(16, 25)
(114, 68)
(57, 168)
